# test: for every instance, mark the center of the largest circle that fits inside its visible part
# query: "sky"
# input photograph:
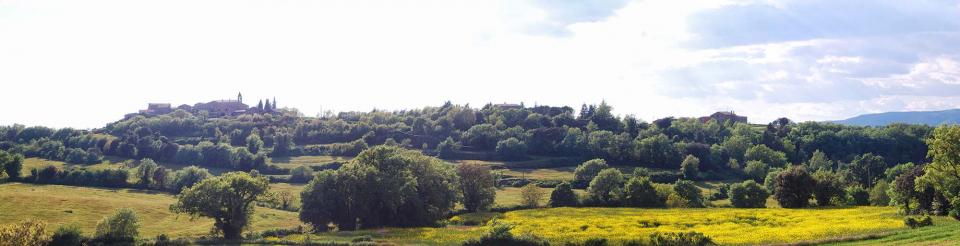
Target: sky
(82, 64)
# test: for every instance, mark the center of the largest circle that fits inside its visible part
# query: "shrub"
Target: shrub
(680, 239)
(793, 188)
(748, 194)
(121, 227)
(500, 235)
(67, 235)
(563, 196)
(586, 171)
(24, 233)
(917, 222)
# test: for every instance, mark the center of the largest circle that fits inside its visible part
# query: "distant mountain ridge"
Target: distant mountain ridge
(933, 118)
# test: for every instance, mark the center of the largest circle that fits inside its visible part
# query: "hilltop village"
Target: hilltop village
(214, 109)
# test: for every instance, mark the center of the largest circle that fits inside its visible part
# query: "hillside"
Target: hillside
(932, 118)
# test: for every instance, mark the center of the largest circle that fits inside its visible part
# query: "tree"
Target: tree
(793, 188)
(943, 174)
(12, 164)
(121, 227)
(563, 196)
(477, 186)
(66, 235)
(748, 194)
(301, 174)
(736, 146)
(605, 187)
(482, 136)
(530, 195)
(228, 199)
(690, 193)
(254, 143)
(904, 188)
(587, 170)
(639, 192)
(766, 155)
(511, 149)
(187, 177)
(878, 195)
(447, 148)
(657, 151)
(160, 177)
(827, 187)
(819, 161)
(867, 168)
(383, 186)
(690, 168)
(857, 195)
(282, 144)
(756, 170)
(145, 172)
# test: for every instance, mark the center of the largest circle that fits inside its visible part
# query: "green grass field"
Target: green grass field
(293, 162)
(943, 232)
(85, 206)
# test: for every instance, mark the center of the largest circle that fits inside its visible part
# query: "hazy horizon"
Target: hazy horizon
(83, 64)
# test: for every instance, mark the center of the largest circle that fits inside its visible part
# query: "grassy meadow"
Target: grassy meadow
(85, 206)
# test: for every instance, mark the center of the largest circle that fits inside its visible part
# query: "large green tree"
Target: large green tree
(228, 199)
(943, 173)
(383, 186)
(477, 186)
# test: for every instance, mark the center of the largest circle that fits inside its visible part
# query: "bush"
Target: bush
(793, 188)
(756, 170)
(500, 235)
(748, 194)
(67, 235)
(917, 222)
(563, 196)
(121, 227)
(680, 239)
(25, 233)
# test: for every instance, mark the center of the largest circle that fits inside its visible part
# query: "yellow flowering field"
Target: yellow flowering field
(727, 226)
